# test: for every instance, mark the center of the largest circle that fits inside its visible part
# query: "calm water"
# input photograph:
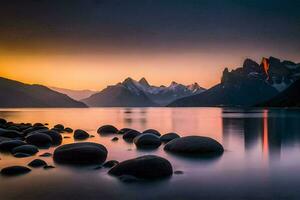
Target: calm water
(261, 161)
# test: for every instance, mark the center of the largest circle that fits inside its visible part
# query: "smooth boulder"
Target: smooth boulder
(36, 163)
(147, 167)
(80, 134)
(10, 133)
(14, 170)
(25, 149)
(147, 141)
(168, 137)
(55, 136)
(130, 135)
(40, 140)
(80, 153)
(153, 131)
(107, 129)
(194, 146)
(10, 144)
(124, 130)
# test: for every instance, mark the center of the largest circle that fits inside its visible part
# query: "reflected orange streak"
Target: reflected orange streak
(265, 142)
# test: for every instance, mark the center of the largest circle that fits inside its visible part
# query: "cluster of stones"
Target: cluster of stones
(24, 140)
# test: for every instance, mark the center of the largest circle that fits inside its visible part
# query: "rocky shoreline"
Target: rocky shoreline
(25, 140)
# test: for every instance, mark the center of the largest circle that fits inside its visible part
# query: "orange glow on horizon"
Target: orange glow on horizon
(97, 71)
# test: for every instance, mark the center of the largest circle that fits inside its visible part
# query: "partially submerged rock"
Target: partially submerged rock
(168, 137)
(147, 141)
(68, 130)
(147, 167)
(81, 134)
(80, 153)
(10, 144)
(40, 140)
(36, 163)
(10, 133)
(130, 135)
(153, 131)
(15, 170)
(107, 129)
(47, 154)
(124, 130)
(194, 146)
(26, 149)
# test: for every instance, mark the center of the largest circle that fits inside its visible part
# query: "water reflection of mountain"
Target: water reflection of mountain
(271, 129)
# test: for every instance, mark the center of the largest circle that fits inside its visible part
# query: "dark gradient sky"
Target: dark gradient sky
(224, 29)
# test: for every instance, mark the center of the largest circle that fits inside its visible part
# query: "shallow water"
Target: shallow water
(261, 158)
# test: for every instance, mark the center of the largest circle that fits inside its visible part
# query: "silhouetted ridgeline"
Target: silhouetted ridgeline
(14, 94)
(288, 98)
(248, 85)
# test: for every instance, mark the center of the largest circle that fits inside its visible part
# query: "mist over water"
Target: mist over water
(261, 158)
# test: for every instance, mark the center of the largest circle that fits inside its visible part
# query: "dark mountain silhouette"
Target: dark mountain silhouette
(16, 94)
(288, 98)
(74, 94)
(141, 93)
(247, 85)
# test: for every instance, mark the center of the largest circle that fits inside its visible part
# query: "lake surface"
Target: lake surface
(261, 158)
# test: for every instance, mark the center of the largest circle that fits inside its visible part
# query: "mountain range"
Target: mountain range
(134, 93)
(247, 85)
(14, 94)
(74, 94)
(272, 83)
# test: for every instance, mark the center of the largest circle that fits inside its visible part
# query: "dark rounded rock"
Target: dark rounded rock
(10, 133)
(21, 155)
(147, 141)
(68, 130)
(14, 170)
(46, 155)
(115, 139)
(26, 149)
(130, 135)
(153, 131)
(194, 146)
(15, 128)
(107, 129)
(80, 153)
(55, 136)
(178, 172)
(49, 167)
(168, 137)
(2, 121)
(37, 163)
(10, 144)
(110, 163)
(80, 134)
(124, 130)
(59, 127)
(38, 124)
(40, 140)
(34, 128)
(145, 167)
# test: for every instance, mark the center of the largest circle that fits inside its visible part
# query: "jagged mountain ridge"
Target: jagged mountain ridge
(142, 93)
(247, 85)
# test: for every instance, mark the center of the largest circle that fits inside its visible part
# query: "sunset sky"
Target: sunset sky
(89, 44)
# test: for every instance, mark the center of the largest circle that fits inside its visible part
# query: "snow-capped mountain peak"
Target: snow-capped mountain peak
(161, 94)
